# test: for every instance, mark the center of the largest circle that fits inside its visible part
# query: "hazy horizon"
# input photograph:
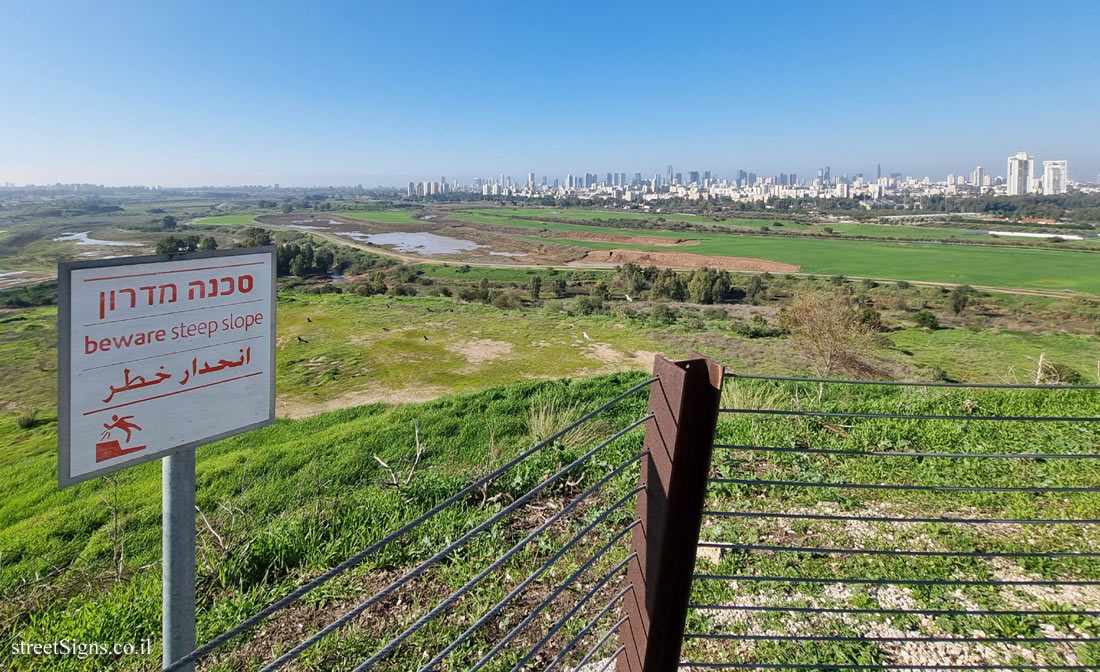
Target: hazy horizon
(342, 94)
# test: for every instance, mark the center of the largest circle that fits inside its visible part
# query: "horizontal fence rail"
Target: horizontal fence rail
(576, 542)
(864, 546)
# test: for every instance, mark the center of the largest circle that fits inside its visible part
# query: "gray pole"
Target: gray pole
(178, 552)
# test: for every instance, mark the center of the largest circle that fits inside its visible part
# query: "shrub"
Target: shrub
(828, 333)
(506, 301)
(926, 320)
(27, 420)
(714, 314)
(403, 290)
(662, 314)
(903, 284)
(588, 305)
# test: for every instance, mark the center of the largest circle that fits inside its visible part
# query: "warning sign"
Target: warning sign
(158, 355)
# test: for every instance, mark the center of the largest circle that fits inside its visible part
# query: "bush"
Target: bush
(829, 333)
(403, 290)
(588, 305)
(926, 320)
(903, 284)
(662, 314)
(27, 420)
(714, 314)
(505, 301)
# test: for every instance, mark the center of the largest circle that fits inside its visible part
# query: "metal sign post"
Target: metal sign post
(178, 548)
(156, 356)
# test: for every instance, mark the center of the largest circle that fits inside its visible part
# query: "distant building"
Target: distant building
(1055, 176)
(1020, 167)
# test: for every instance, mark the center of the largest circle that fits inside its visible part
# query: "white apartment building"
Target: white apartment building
(1020, 171)
(1055, 176)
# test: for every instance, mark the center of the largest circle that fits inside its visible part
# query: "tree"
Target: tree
(699, 287)
(207, 244)
(960, 297)
(483, 290)
(829, 333)
(669, 285)
(169, 223)
(559, 287)
(755, 285)
(535, 286)
(174, 245)
(601, 291)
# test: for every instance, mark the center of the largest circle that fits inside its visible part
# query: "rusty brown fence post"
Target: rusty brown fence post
(684, 402)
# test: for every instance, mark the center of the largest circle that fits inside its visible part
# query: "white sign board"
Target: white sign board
(158, 355)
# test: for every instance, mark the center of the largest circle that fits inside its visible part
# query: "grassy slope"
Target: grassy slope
(287, 501)
(295, 498)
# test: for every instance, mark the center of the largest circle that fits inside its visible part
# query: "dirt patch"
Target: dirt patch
(605, 353)
(624, 238)
(686, 260)
(297, 408)
(481, 350)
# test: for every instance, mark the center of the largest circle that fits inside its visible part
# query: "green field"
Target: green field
(991, 266)
(380, 216)
(224, 220)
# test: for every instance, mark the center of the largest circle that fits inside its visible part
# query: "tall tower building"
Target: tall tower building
(1055, 176)
(978, 177)
(531, 181)
(1019, 173)
(878, 171)
(668, 173)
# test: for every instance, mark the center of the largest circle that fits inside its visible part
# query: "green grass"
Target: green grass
(291, 500)
(224, 220)
(896, 435)
(380, 216)
(966, 264)
(996, 354)
(973, 265)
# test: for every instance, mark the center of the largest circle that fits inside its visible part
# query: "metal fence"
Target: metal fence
(912, 537)
(808, 524)
(508, 651)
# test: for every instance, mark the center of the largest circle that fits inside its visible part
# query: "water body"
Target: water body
(421, 243)
(308, 226)
(83, 239)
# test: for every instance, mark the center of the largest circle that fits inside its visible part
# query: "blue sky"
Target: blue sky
(203, 93)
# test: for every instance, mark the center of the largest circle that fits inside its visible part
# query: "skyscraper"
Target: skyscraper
(531, 181)
(1055, 176)
(878, 171)
(978, 177)
(1019, 173)
(669, 173)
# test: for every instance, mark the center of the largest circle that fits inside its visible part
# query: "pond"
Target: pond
(420, 243)
(83, 239)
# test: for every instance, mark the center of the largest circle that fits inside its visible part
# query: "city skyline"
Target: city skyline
(386, 94)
